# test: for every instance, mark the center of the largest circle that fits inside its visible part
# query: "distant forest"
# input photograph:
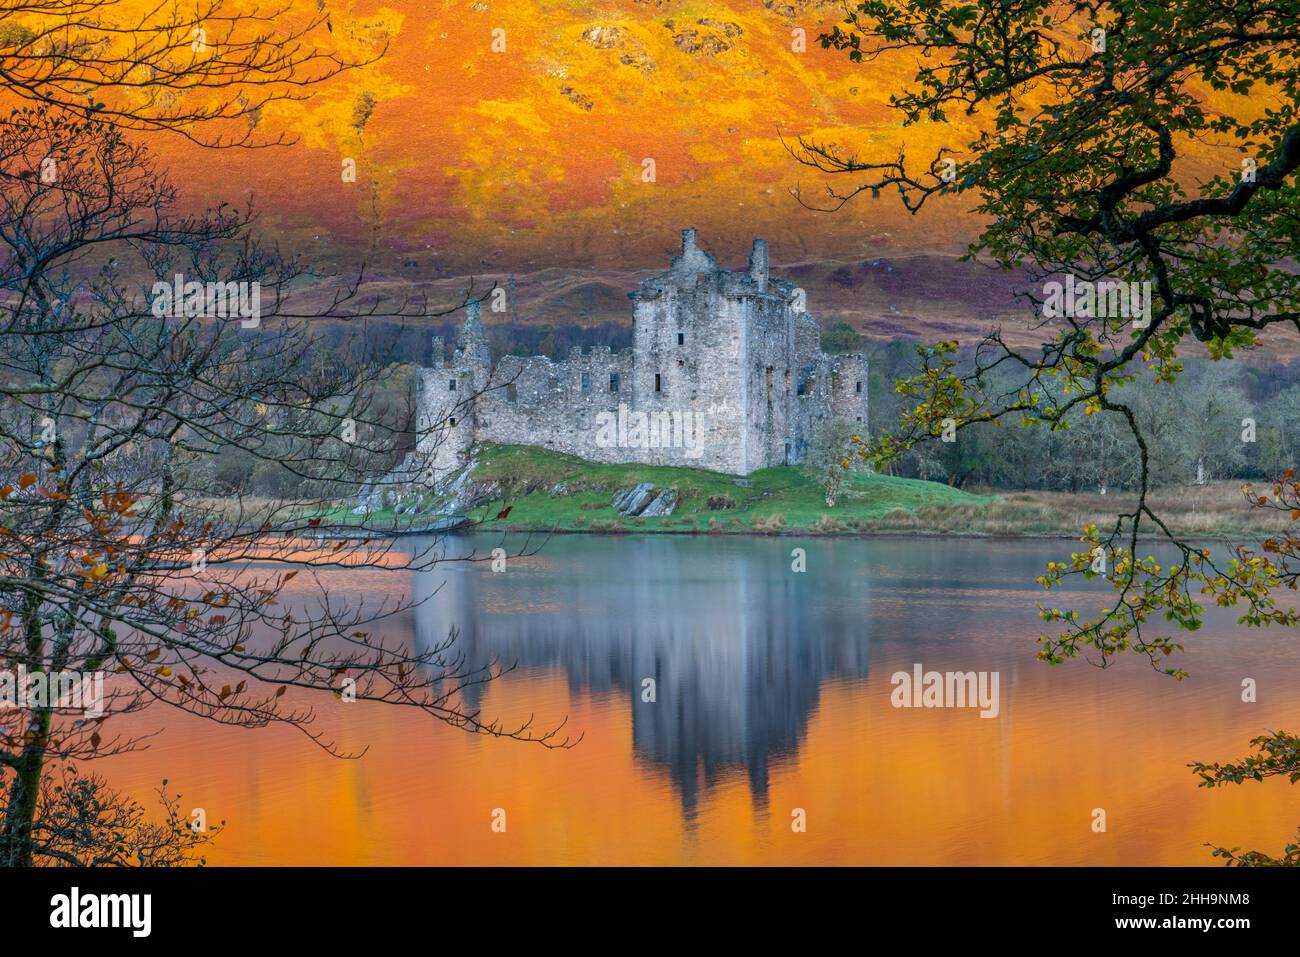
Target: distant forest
(1231, 419)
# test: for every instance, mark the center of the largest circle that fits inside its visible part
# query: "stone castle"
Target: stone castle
(726, 372)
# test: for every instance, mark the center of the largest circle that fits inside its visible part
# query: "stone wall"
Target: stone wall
(727, 363)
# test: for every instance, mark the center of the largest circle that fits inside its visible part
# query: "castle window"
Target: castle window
(586, 382)
(512, 394)
(453, 423)
(659, 384)
(681, 338)
(681, 363)
(858, 388)
(451, 385)
(613, 381)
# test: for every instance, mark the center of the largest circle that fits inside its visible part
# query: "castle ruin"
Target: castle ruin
(726, 372)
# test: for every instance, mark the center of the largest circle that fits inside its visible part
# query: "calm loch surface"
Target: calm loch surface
(773, 693)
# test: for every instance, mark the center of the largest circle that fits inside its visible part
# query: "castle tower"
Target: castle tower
(473, 349)
(849, 388)
(449, 394)
(758, 264)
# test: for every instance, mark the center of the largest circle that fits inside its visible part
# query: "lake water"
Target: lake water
(772, 693)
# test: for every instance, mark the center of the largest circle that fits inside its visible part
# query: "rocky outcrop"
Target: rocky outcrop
(576, 98)
(632, 501)
(604, 37)
(406, 490)
(610, 37)
(716, 38)
(663, 504)
(646, 500)
(460, 492)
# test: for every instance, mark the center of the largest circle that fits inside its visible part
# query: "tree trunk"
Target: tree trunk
(20, 811)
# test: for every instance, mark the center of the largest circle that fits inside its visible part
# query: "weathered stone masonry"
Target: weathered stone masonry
(735, 348)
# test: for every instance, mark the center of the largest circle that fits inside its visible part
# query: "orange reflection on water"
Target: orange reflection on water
(879, 786)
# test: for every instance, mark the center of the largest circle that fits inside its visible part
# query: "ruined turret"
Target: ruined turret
(473, 338)
(472, 350)
(758, 264)
(692, 259)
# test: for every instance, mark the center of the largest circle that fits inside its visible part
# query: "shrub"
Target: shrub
(770, 525)
(827, 525)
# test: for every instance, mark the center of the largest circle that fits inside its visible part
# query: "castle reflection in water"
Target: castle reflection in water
(738, 645)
